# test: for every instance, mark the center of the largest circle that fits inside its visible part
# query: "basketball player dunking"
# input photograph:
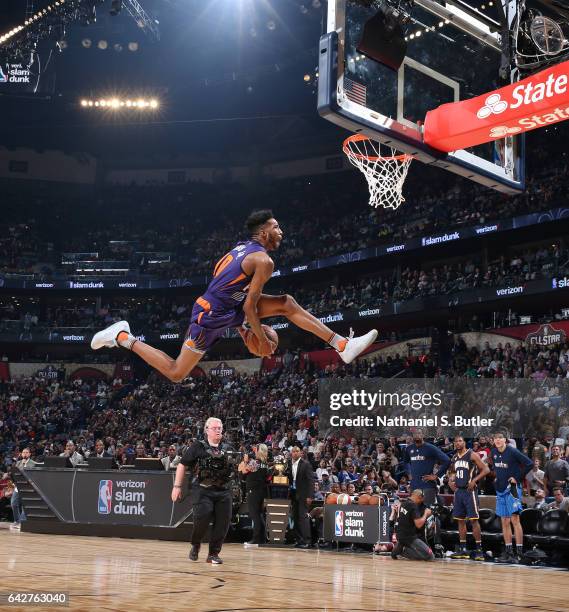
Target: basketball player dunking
(233, 296)
(464, 464)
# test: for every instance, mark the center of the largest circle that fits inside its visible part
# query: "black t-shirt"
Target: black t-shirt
(257, 481)
(405, 524)
(201, 450)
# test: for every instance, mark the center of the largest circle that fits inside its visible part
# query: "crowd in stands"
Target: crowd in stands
(157, 419)
(185, 229)
(167, 314)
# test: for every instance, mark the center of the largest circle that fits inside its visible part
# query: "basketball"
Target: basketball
(373, 500)
(252, 342)
(332, 498)
(363, 500)
(344, 499)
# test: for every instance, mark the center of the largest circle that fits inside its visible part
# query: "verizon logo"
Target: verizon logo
(510, 290)
(486, 230)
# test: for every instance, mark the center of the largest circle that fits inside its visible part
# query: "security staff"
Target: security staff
(212, 495)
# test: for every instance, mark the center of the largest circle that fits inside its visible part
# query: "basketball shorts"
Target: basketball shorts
(507, 504)
(207, 325)
(465, 504)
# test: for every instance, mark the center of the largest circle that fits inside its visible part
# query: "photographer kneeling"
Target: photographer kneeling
(409, 519)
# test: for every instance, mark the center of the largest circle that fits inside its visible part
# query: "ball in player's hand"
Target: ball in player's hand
(252, 342)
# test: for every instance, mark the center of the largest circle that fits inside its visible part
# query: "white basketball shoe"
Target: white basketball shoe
(356, 346)
(108, 337)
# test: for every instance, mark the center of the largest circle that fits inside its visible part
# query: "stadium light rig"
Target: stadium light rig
(22, 39)
(114, 104)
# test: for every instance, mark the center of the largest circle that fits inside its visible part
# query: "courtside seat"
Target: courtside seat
(486, 517)
(491, 525)
(552, 529)
(530, 518)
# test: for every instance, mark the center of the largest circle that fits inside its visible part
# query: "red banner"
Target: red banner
(538, 101)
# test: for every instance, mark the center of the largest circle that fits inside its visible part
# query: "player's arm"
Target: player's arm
(525, 462)
(443, 460)
(263, 267)
(483, 471)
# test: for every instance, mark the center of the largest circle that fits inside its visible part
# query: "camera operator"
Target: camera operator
(212, 496)
(256, 472)
(409, 519)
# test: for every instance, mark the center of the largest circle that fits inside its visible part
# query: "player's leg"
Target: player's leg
(518, 534)
(477, 533)
(462, 552)
(286, 306)
(507, 529)
(459, 513)
(175, 370)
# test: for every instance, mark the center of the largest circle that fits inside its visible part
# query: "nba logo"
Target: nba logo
(339, 523)
(105, 496)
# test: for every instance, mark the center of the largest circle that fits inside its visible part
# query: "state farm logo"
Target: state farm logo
(501, 131)
(531, 95)
(494, 106)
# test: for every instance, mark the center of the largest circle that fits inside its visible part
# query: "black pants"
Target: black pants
(301, 521)
(415, 549)
(211, 505)
(255, 500)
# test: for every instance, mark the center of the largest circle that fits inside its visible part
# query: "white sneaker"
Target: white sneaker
(356, 346)
(108, 337)
(15, 526)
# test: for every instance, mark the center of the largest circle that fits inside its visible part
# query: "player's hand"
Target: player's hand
(428, 512)
(471, 485)
(266, 347)
(429, 478)
(513, 480)
(176, 494)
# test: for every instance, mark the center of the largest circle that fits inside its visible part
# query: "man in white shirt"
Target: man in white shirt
(534, 478)
(560, 502)
(302, 435)
(172, 458)
(16, 501)
(72, 453)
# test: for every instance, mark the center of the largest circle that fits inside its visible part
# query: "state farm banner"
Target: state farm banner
(537, 101)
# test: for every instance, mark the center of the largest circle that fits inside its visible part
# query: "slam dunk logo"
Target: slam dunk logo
(123, 500)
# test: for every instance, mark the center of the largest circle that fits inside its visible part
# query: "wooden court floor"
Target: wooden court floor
(121, 574)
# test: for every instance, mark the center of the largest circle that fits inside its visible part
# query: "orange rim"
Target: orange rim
(373, 158)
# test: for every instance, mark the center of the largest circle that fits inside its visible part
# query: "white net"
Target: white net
(385, 170)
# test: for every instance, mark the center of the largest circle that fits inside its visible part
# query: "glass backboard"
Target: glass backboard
(454, 52)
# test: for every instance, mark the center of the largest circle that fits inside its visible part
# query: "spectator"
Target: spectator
(72, 453)
(16, 501)
(556, 470)
(172, 458)
(560, 502)
(534, 478)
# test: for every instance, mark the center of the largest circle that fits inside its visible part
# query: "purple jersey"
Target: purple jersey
(221, 306)
(229, 285)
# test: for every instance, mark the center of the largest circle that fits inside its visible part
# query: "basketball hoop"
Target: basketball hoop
(385, 174)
